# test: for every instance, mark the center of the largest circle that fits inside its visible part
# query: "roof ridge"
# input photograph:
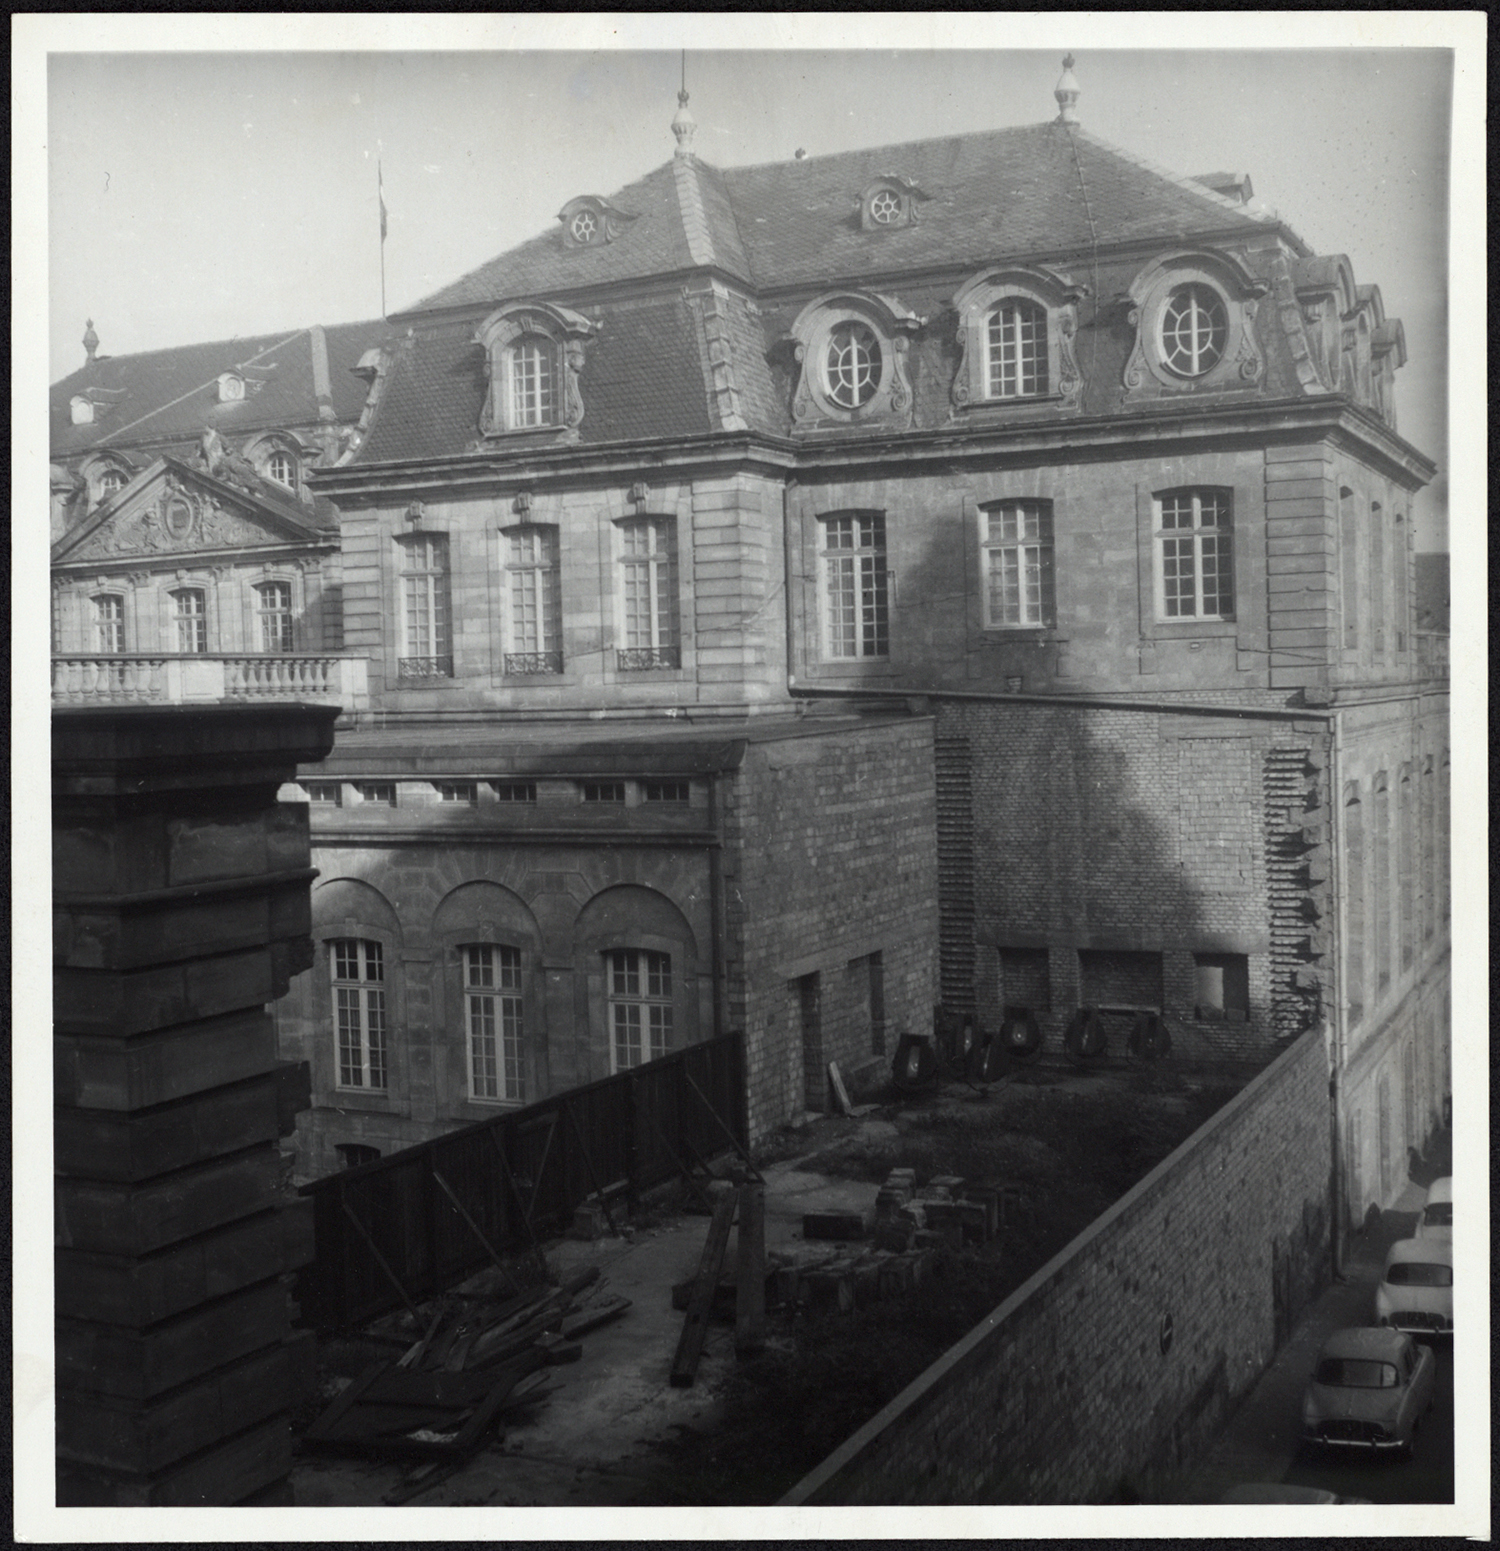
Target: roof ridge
(691, 209)
(892, 145)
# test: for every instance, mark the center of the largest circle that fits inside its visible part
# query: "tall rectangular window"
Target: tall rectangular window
(1406, 870)
(856, 588)
(648, 593)
(531, 561)
(273, 614)
(190, 616)
(1380, 883)
(531, 390)
(1354, 905)
(1017, 564)
(1016, 356)
(1401, 576)
(109, 623)
(1427, 850)
(358, 973)
(640, 1005)
(1349, 558)
(426, 628)
(492, 998)
(1194, 554)
(1377, 577)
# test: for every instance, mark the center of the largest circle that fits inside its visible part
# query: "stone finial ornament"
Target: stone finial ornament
(684, 126)
(90, 338)
(1067, 93)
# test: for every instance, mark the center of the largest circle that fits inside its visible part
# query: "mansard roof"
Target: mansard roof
(158, 396)
(1041, 188)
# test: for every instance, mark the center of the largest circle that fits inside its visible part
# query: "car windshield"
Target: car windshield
(1439, 1215)
(1356, 1373)
(1419, 1273)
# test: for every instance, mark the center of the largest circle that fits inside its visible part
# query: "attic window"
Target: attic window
(889, 202)
(887, 208)
(584, 227)
(110, 481)
(588, 221)
(231, 388)
(281, 466)
(81, 410)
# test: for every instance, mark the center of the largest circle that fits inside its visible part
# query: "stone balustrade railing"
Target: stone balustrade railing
(184, 680)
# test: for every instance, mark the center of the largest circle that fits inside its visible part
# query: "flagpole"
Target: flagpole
(380, 195)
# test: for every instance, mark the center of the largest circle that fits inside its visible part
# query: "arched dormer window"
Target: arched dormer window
(1015, 334)
(888, 203)
(589, 222)
(851, 347)
(534, 354)
(231, 387)
(1194, 315)
(278, 459)
(104, 478)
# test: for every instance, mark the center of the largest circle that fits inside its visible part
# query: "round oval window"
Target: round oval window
(852, 365)
(1194, 330)
(584, 226)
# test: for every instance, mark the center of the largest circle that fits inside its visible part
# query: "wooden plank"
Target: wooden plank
(591, 1319)
(380, 1259)
(755, 1173)
(750, 1292)
(840, 1092)
(474, 1227)
(695, 1325)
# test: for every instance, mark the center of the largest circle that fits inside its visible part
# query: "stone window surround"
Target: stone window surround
(826, 658)
(94, 472)
(547, 572)
(565, 333)
(1159, 537)
(975, 302)
(1045, 628)
(891, 196)
(892, 325)
(1242, 364)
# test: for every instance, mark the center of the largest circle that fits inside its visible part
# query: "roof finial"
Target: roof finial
(683, 122)
(90, 339)
(1067, 93)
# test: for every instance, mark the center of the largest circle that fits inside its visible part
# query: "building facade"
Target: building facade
(975, 571)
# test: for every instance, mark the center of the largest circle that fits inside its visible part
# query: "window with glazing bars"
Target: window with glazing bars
(531, 391)
(109, 623)
(273, 612)
(640, 1005)
(190, 615)
(1017, 560)
(535, 644)
(648, 565)
(282, 467)
(426, 631)
(492, 998)
(1017, 350)
(358, 972)
(856, 585)
(1195, 554)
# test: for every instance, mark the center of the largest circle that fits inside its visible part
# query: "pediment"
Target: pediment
(171, 509)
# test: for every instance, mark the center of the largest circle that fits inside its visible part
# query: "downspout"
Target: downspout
(716, 902)
(786, 582)
(1336, 1183)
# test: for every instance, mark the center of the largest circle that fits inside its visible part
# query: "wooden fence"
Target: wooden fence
(415, 1222)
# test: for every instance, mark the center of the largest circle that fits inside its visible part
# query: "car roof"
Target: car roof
(1366, 1341)
(1442, 1190)
(1428, 1252)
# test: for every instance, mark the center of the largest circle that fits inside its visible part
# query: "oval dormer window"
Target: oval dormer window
(231, 388)
(886, 208)
(584, 227)
(1194, 330)
(851, 367)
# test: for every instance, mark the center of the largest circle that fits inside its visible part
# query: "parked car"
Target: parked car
(1436, 1218)
(1283, 1492)
(1416, 1290)
(1369, 1391)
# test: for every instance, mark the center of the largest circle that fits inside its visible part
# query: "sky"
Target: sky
(208, 194)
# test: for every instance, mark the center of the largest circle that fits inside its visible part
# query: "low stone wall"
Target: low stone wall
(1110, 1371)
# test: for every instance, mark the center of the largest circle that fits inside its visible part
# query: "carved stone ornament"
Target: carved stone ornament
(588, 221)
(890, 402)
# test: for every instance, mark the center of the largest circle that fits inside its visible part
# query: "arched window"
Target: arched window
(190, 617)
(529, 377)
(1016, 350)
(109, 622)
(851, 365)
(494, 1021)
(534, 353)
(110, 481)
(281, 467)
(357, 972)
(1194, 329)
(640, 1005)
(273, 613)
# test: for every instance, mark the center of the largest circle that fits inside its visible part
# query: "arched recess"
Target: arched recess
(339, 905)
(640, 989)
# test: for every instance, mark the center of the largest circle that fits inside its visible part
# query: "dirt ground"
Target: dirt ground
(1065, 1143)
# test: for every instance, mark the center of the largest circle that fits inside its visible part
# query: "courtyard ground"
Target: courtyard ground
(1064, 1143)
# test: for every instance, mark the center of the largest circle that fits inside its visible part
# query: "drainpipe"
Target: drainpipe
(786, 582)
(1336, 1181)
(716, 902)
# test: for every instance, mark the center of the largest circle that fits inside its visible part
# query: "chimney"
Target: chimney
(1067, 93)
(90, 340)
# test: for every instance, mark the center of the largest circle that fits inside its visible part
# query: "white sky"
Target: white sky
(203, 195)
(215, 194)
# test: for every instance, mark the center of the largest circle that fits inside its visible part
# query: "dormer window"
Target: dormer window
(1015, 331)
(852, 350)
(1194, 315)
(110, 481)
(589, 221)
(535, 354)
(231, 388)
(281, 467)
(81, 410)
(889, 202)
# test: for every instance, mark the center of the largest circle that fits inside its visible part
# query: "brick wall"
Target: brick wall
(1064, 1394)
(1137, 831)
(830, 857)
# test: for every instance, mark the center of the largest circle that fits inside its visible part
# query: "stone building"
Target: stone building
(977, 570)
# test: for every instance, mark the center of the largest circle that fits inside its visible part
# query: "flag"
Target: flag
(380, 184)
